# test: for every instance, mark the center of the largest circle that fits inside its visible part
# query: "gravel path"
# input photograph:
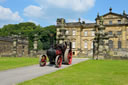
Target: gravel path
(13, 76)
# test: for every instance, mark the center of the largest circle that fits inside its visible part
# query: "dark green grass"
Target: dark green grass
(13, 62)
(92, 72)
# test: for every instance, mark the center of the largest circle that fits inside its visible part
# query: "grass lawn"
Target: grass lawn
(14, 62)
(92, 72)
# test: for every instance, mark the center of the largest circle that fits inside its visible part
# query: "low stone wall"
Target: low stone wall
(6, 47)
(117, 57)
(10, 46)
(118, 54)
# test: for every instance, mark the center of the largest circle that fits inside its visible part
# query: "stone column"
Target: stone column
(15, 45)
(100, 42)
(26, 50)
(35, 45)
(20, 45)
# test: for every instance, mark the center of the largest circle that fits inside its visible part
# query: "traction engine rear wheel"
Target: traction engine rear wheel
(43, 60)
(58, 61)
(68, 57)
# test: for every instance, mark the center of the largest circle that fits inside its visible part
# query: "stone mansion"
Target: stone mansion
(81, 34)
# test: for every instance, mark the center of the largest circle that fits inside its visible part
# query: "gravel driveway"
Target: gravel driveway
(13, 76)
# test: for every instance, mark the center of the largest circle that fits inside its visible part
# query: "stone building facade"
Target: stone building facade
(82, 34)
(13, 46)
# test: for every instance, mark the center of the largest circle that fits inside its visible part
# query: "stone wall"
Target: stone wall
(118, 54)
(6, 48)
(13, 46)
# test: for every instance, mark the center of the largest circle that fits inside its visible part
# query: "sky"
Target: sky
(46, 12)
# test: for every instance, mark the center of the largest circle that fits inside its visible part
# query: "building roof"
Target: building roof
(120, 15)
(73, 24)
(89, 25)
(78, 24)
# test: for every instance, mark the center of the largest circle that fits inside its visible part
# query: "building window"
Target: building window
(110, 44)
(110, 22)
(93, 33)
(73, 32)
(67, 32)
(110, 32)
(73, 44)
(119, 32)
(119, 21)
(119, 44)
(85, 44)
(85, 33)
(92, 45)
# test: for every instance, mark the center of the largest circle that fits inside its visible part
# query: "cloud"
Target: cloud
(75, 5)
(47, 11)
(33, 11)
(8, 17)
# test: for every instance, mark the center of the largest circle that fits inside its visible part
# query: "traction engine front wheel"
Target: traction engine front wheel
(58, 61)
(43, 60)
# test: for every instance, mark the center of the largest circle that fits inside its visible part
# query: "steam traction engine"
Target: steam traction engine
(60, 53)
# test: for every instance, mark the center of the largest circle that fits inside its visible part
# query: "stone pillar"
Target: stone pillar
(61, 37)
(26, 43)
(95, 49)
(20, 45)
(100, 41)
(35, 45)
(15, 45)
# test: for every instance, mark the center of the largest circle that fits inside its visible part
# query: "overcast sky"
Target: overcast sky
(45, 12)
